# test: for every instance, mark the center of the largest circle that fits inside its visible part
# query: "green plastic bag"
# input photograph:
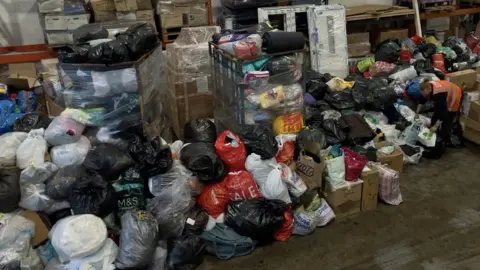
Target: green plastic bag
(448, 52)
(365, 64)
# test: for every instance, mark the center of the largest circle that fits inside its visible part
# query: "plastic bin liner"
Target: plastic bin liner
(260, 140)
(159, 182)
(185, 252)
(274, 187)
(16, 233)
(107, 160)
(170, 206)
(32, 150)
(102, 259)
(153, 157)
(129, 192)
(34, 198)
(110, 52)
(435, 152)
(63, 130)
(78, 236)
(427, 49)
(37, 174)
(196, 221)
(57, 187)
(91, 195)
(73, 53)
(138, 240)
(70, 154)
(241, 186)
(285, 69)
(31, 121)
(200, 130)
(231, 150)
(89, 32)
(9, 189)
(260, 169)
(10, 143)
(256, 218)
(139, 38)
(340, 100)
(388, 51)
(200, 158)
(214, 199)
(412, 153)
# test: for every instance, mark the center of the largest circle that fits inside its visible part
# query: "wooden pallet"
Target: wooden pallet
(447, 5)
(170, 34)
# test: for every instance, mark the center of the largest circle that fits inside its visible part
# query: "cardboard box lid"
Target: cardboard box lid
(396, 152)
(348, 185)
(22, 76)
(464, 78)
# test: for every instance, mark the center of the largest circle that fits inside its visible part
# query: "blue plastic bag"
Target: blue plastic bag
(27, 101)
(7, 124)
(413, 91)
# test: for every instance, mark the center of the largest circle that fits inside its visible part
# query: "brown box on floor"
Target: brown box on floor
(472, 123)
(394, 160)
(394, 34)
(41, 227)
(371, 181)
(466, 79)
(346, 199)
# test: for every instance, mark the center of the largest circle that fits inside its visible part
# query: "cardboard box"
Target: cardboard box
(358, 38)
(393, 160)
(126, 5)
(171, 20)
(371, 180)
(311, 169)
(469, 97)
(22, 76)
(358, 49)
(346, 199)
(178, 15)
(105, 16)
(195, 19)
(466, 79)
(41, 227)
(472, 123)
(127, 16)
(55, 22)
(398, 34)
(103, 5)
(144, 4)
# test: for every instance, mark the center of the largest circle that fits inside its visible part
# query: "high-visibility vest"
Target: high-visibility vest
(454, 94)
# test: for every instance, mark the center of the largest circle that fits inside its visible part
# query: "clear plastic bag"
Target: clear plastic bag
(295, 184)
(32, 150)
(137, 240)
(37, 174)
(158, 183)
(63, 130)
(70, 154)
(159, 257)
(15, 235)
(10, 143)
(78, 236)
(34, 198)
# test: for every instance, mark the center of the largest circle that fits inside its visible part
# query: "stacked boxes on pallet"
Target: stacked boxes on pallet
(60, 19)
(177, 14)
(125, 10)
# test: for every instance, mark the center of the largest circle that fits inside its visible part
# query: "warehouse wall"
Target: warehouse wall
(19, 23)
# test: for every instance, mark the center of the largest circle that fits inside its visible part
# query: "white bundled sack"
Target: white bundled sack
(63, 130)
(274, 188)
(427, 138)
(409, 114)
(176, 147)
(415, 158)
(15, 235)
(404, 75)
(324, 214)
(295, 184)
(389, 186)
(32, 150)
(9, 143)
(77, 237)
(34, 198)
(303, 222)
(410, 134)
(37, 174)
(391, 134)
(70, 154)
(260, 169)
(100, 260)
(335, 169)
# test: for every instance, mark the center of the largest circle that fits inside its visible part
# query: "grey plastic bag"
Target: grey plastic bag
(37, 174)
(138, 240)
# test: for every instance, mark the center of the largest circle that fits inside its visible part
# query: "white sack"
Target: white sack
(63, 130)
(70, 154)
(260, 169)
(410, 134)
(303, 222)
(100, 260)
(324, 214)
(10, 143)
(34, 198)
(78, 236)
(295, 184)
(409, 114)
(274, 188)
(426, 138)
(38, 174)
(32, 150)
(389, 186)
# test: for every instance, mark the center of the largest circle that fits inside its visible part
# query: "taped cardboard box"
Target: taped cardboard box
(393, 160)
(466, 79)
(358, 38)
(105, 16)
(472, 123)
(22, 76)
(144, 5)
(390, 34)
(346, 199)
(358, 49)
(103, 5)
(371, 180)
(178, 15)
(126, 5)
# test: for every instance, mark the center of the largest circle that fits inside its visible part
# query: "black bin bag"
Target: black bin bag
(388, 51)
(423, 66)
(91, 195)
(200, 130)
(435, 152)
(31, 121)
(140, 39)
(427, 49)
(256, 218)
(9, 189)
(259, 140)
(89, 32)
(109, 53)
(152, 157)
(109, 161)
(57, 187)
(340, 100)
(185, 252)
(73, 54)
(200, 158)
(361, 94)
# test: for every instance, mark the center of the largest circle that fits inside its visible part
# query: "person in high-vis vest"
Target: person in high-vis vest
(447, 98)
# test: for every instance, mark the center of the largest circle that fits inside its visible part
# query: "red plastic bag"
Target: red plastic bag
(286, 148)
(284, 232)
(241, 186)
(354, 164)
(231, 150)
(214, 199)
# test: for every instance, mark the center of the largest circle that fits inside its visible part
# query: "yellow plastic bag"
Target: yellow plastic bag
(433, 40)
(272, 97)
(288, 123)
(338, 84)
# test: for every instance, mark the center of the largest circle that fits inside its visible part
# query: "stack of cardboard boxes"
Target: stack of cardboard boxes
(471, 102)
(358, 44)
(128, 10)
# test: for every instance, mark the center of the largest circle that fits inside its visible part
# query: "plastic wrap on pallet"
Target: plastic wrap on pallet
(180, 7)
(328, 39)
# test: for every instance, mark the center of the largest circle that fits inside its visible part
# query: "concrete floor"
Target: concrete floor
(436, 227)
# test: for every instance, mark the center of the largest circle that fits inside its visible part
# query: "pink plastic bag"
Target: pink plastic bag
(354, 164)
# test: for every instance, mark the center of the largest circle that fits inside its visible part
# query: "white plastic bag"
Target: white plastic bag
(78, 236)
(101, 260)
(76, 115)
(389, 185)
(37, 174)
(15, 235)
(34, 198)
(415, 158)
(427, 138)
(391, 134)
(176, 147)
(9, 143)
(63, 130)
(410, 134)
(32, 150)
(324, 214)
(260, 169)
(274, 188)
(404, 75)
(409, 114)
(335, 169)
(70, 154)
(295, 184)
(303, 222)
